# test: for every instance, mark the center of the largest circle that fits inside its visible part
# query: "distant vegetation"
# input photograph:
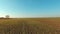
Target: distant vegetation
(7, 16)
(30, 26)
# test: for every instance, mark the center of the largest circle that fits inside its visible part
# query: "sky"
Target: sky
(30, 8)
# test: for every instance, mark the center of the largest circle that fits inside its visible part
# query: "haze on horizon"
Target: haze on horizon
(30, 8)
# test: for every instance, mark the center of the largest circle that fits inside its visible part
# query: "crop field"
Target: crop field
(30, 26)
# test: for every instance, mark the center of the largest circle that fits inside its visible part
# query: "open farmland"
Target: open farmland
(30, 26)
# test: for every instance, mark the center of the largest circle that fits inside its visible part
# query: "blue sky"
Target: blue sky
(30, 8)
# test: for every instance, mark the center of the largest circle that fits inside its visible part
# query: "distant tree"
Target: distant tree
(7, 16)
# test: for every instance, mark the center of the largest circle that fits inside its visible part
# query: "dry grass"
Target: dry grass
(30, 26)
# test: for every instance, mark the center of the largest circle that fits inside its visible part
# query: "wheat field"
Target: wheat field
(30, 26)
